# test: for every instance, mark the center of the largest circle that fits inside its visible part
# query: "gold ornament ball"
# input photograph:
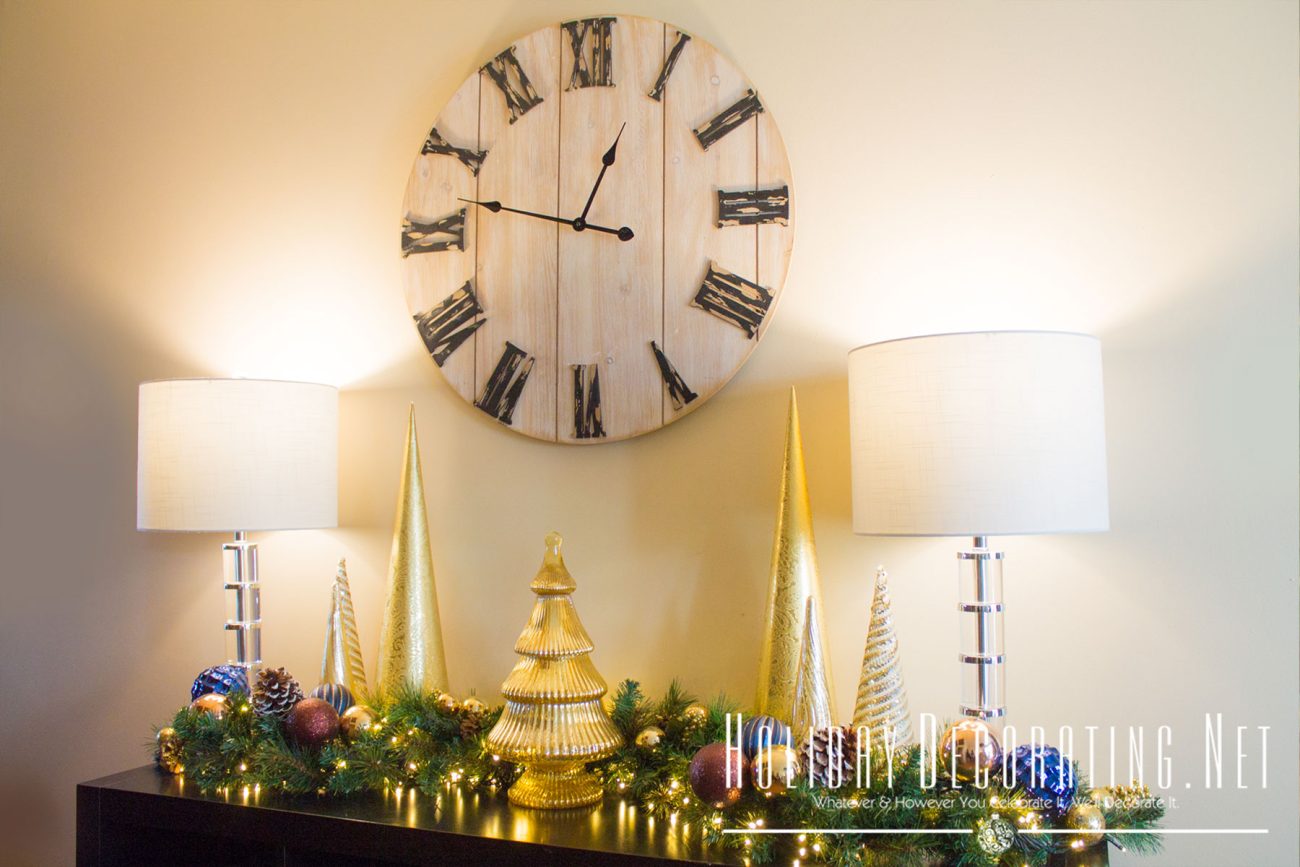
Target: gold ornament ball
(968, 749)
(210, 703)
(781, 762)
(168, 754)
(696, 715)
(355, 719)
(446, 702)
(1085, 817)
(1102, 796)
(474, 706)
(649, 737)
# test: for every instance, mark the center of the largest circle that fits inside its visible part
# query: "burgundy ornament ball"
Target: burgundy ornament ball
(313, 722)
(709, 775)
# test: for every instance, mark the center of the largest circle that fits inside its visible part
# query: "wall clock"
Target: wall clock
(597, 229)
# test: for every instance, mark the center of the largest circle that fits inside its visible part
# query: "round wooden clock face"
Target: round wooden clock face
(596, 230)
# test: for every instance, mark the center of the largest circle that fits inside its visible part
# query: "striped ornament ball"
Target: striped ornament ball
(336, 694)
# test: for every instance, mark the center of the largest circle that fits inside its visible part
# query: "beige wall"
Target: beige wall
(213, 188)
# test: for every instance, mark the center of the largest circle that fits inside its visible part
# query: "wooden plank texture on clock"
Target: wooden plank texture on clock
(610, 291)
(435, 184)
(705, 350)
(775, 241)
(517, 254)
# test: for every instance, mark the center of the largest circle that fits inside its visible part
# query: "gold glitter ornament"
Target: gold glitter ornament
(355, 719)
(342, 663)
(779, 765)
(1102, 796)
(168, 752)
(553, 723)
(474, 706)
(211, 703)
(649, 737)
(882, 698)
(1086, 818)
(447, 702)
(994, 835)
(793, 580)
(696, 716)
(968, 749)
(410, 644)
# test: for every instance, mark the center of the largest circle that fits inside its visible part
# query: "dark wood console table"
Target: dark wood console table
(143, 818)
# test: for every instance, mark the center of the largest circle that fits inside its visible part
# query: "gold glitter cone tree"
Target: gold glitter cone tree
(553, 723)
(882, 698)
(342, 663)
(811, 698)
(410, 644)
(793, 582)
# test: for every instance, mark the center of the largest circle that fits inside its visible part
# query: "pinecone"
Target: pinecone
(275, 693)
(828, 751)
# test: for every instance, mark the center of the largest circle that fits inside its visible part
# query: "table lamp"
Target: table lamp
(984, 434)
(237, 455)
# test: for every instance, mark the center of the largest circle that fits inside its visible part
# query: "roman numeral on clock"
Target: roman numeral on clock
(436, 144)
(509, 76)
(505, 385)
(657, 92)
(728, 119)
(444, 233)
(450, 322)
(599, 72)
(733, 299)
(586, 402)
(678, 391)
(751, 207)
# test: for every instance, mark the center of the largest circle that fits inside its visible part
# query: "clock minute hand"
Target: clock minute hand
(605, 162)
(496, 207)
(623, 233)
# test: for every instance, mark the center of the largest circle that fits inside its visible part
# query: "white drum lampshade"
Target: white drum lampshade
(237, 454)
(984, 434)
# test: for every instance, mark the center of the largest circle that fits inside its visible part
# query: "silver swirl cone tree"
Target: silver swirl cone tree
(882, 697)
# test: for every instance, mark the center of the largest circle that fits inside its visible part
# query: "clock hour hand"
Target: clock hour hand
(605, 162)
(623, 233)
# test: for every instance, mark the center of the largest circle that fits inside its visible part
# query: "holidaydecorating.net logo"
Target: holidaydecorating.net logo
(759, 751)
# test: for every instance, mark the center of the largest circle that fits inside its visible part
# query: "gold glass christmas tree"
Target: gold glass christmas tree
(553, 723)
(882, 698)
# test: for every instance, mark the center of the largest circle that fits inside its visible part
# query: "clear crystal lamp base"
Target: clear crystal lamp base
(982, 655)
(243, 602)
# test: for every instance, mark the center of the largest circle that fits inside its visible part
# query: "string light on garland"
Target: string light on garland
(416, 744)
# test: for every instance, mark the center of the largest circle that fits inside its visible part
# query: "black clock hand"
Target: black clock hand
(624, 233)
(605, 162)
(496, 207)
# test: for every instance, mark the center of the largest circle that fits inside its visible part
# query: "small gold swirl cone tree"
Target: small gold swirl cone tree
(553, 723)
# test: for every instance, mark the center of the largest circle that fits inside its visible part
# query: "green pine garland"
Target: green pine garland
(421, 741)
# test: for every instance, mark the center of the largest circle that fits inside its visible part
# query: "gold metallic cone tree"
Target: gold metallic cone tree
(882, 698)
(410, 644)
(342, 663)
(811, 698)
(792, 584)
(553, 723)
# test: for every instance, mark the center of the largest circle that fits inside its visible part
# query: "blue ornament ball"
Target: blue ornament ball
(336, 694)
(760, 732)
(1044, 774)
(221, 679)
